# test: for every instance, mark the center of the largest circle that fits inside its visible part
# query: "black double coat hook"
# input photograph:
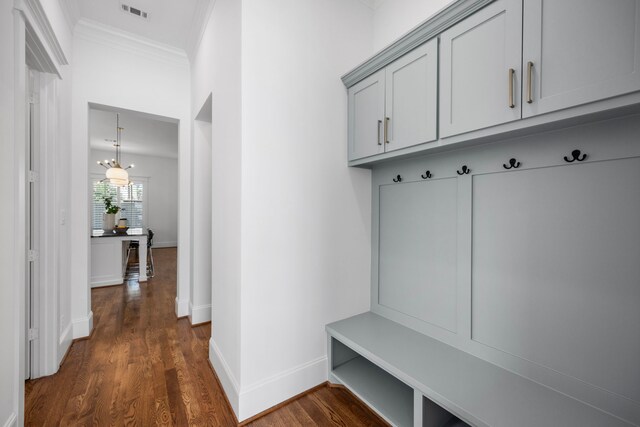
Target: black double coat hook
(397, 179)
(426, 175)
(513, 164)
(575, 154)
(465, 170)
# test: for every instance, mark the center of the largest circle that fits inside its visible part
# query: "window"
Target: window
(131, 200)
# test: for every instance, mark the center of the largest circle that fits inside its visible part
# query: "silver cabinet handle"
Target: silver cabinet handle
(379, 124)
(386, 130)
(529, 83)
(511, 73)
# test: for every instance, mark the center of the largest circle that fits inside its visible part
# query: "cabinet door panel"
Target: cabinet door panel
(417, 250)
(366, 113)
(555, 269)
(581, 50)
(476, 55)
(412, 97)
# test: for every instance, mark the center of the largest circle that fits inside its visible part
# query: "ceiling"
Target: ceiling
(172, 22)
(143, 134)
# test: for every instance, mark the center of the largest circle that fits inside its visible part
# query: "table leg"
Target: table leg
(142, 248)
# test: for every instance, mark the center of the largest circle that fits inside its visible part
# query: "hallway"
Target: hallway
(141, 366)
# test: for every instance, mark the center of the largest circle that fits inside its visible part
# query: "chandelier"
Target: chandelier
(116, 174)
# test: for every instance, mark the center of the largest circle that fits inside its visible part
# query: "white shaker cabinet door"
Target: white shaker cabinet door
(480, 69)
(579, 51)
(366, 115)
(412, 98)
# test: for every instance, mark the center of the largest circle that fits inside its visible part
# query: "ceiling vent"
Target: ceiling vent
(134, 11)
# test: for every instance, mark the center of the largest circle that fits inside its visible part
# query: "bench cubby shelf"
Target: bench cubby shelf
(390, 367)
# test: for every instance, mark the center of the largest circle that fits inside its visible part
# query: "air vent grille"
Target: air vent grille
(134, 11)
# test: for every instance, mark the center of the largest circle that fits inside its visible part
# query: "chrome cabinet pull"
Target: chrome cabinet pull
(529, 84)
(386, 130)
(511, 73)
(379, 124)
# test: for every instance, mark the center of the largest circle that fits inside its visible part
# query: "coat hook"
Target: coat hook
(397, 179)
(426, 175)
(576, 156)
(465, 170)
(513, 164)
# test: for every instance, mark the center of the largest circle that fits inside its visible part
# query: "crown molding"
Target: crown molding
(36, 18)
(106, 35)
(432, 27)
(71, 11)
(201, 16)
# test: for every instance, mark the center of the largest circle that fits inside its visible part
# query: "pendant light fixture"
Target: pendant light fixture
(116, 175)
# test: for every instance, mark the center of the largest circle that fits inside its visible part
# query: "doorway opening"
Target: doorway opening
(131, 219)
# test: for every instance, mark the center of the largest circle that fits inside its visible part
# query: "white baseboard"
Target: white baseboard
(160, 245)
(269, 392)
(182, 307)
(64, 342)
(12, 421)
(97, 282)
(227, 379)
(82, 326)
(199, 314)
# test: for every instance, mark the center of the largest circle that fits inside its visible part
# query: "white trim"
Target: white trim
(98, 282)
(182, 307)
(64, 342)
(96, 32)
(18, 165)
(37, 18)
(12, 421)
(82, 326)
(201, 16)
(227, 379)
(161, 245)
(269, 392)
(199, 313)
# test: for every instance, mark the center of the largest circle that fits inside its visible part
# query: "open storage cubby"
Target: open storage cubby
(433, 415)
(388, 396)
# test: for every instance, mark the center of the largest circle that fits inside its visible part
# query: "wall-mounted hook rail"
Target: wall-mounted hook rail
(465, 170)
(397, 179)
(426, 175)
(513, 164)
(575, 154)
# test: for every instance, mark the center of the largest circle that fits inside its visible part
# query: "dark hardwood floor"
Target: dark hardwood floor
(143, 367)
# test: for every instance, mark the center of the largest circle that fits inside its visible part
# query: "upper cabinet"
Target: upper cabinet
(411, 101)
(504, 66)
(480, 69)
(578, 51)
(397, 106)
(366, 116)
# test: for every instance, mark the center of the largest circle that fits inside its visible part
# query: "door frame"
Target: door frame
(34, 42)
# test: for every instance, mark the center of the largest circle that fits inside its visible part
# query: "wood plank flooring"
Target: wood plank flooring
(144, 367)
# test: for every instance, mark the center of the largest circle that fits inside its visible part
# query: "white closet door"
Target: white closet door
(580, 50)
(412, 98)
(366, 114)
(480, 61)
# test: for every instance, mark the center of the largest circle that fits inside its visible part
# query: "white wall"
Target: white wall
(114, 69)
(216, 71)
(161, 193)
(200, 291)
(299, 257)
(12, 188)
(393, 18)
(9, 383)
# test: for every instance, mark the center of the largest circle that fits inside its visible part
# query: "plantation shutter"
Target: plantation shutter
(131, 202)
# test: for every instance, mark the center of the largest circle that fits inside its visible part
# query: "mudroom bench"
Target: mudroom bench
(411, 379)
